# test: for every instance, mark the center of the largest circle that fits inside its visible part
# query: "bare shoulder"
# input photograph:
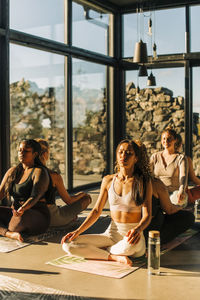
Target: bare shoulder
(55, 177)
(107, 180)
(40, 171)
(10, 171)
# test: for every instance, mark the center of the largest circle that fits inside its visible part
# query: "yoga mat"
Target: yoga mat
(178, 240)
(114, 269)
(98, 267)
(8, 245)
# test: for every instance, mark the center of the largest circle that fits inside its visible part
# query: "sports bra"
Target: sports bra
(124, 203)
(22, 191)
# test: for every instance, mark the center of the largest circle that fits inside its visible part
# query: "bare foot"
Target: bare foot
(122, 259)
(14, 235)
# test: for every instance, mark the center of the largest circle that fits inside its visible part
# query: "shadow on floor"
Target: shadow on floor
(99, 227)
(26, 271)
(184, 274)
(40, 296)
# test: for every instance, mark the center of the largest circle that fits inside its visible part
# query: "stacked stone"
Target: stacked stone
(28, 112)
(150, 110)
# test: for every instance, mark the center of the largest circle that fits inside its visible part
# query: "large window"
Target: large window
(90, 29)
(37, 101)
(42, 18)
(195, 23)
(196, 121)
(168, 31)
(131, 34)
(89, 121)
(150, 110)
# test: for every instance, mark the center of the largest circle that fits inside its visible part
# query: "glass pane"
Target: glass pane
(41, 18)
(151, 110)
(195, 23)
(196, 121)
(130, 34)
(90, 29)
(89, 122)
(168, 31)
(37, 101)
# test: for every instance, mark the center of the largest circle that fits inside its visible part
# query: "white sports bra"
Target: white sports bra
(124, 203)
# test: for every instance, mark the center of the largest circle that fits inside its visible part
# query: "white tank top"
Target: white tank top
(124, 203)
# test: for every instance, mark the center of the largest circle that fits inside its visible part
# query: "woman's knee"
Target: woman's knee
(85, 201)
(16, 224)
(124, 248)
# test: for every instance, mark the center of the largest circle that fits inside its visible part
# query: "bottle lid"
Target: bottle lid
(154, 234)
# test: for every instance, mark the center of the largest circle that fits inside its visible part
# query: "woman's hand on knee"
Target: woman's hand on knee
(69, 236)
(133, 236)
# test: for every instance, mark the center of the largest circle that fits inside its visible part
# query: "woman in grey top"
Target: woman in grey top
(170, 166)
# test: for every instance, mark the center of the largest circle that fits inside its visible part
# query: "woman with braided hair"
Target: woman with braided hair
(129, 193)
(171, 220)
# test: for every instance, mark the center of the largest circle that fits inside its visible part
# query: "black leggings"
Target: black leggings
(169, 226)
(34, 220)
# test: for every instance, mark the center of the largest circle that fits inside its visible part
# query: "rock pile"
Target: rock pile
(148, 112)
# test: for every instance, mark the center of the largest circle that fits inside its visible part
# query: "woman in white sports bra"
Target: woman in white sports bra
(129, 192)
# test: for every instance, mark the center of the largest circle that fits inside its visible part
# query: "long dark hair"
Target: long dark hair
(141, 168)
(17, 172)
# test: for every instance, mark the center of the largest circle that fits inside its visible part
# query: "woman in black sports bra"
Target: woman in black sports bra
(27, 184)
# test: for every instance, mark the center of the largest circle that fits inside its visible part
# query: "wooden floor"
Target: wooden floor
(24, 274)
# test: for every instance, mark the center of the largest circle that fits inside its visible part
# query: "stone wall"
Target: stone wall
(150, 111)
(29, 112)
(147, 113)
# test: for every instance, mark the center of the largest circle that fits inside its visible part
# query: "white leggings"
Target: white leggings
(113, 240)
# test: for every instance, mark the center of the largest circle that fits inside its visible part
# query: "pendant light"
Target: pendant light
(151, 80)
(142, 71)
(137, 90)
(155, 51)
(140, 53)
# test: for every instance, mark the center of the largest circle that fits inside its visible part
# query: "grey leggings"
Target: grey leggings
(34, 221)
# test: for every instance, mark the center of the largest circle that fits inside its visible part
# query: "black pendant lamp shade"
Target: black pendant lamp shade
(151, 81)
(140, 54)
(142, 71)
